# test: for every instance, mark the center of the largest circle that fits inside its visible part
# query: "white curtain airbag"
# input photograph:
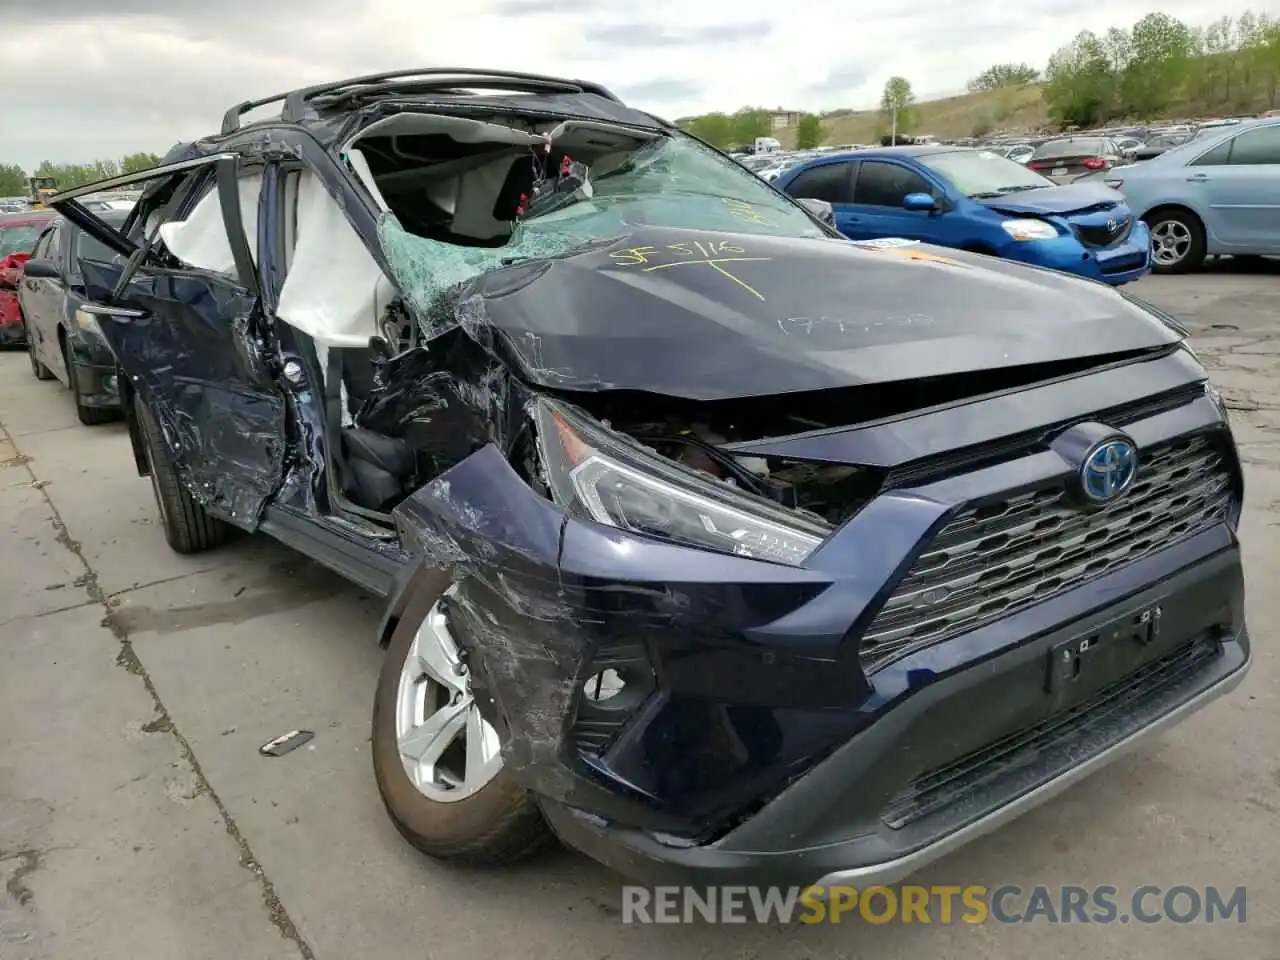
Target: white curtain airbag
(335, 290)
(201, 239)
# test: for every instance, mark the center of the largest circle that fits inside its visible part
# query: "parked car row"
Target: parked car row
(1217, 194)
(1074, 203)
(610, 423)
(979, 201)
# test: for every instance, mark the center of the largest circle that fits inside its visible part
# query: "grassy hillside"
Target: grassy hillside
(1019, 110)
(1219, 86)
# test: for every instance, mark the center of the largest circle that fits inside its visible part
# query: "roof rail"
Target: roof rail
(422, 79)
(331, 98)
(231, 119)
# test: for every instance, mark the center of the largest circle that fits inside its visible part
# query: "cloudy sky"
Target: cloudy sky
(88, 79)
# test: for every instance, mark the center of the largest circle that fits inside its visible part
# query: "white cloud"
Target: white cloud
(103, 84)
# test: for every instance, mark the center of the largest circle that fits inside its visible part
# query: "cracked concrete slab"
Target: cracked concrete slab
(40, 575)
(110, 846)
(113, 513)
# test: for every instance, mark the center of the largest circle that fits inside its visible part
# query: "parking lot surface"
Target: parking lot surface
(138, 820)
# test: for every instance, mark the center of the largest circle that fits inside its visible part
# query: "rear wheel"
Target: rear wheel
(1177, 241)
(38, 369)
(187, 527)
(437, 761)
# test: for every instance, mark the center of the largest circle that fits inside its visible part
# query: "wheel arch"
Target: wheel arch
(1172, 207)
(417, 586)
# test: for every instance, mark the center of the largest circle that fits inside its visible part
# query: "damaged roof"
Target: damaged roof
(326, 108)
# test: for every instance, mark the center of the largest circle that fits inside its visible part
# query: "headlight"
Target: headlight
(1218, 400)
(87, 321)
(1029, 229)
(610, 479)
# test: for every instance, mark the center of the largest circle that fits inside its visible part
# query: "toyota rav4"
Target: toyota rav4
(714, 543)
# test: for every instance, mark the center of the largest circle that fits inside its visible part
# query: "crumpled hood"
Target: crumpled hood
(1057, 200)
(716, 316)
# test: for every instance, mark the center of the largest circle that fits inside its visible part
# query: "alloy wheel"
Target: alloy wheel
(1170, 242)
(449, 751)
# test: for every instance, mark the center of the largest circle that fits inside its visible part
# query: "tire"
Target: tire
(187, 527)
(1177, 242)
(38, 369)
(89, 416)
(493, 822)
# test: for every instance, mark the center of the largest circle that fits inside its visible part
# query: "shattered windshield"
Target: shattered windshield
(672, 182)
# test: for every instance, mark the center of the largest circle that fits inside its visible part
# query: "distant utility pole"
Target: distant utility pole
(894, 133)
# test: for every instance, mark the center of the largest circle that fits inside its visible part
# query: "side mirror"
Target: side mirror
(40, 270)
(920, 202)
(820, 209)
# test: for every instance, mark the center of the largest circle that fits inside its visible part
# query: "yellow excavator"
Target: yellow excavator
(42, 188)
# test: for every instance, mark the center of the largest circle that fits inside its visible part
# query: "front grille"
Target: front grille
(995, 558)
(1101, 236)
(1073, 733)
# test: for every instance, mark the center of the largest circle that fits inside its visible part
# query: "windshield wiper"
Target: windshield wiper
(1020, 187)
(985, 195)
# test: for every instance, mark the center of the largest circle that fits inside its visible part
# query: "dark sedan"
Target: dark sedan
(63, 340)
(1065, 159)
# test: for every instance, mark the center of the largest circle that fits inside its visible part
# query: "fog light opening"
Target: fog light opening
(602, 686)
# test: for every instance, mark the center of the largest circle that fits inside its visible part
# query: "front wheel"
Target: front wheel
(1177, 242)
(187, 527)
(437, 761)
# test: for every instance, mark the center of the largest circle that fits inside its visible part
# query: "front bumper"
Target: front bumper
(94, 368)
(832, 826)
(1116, 265)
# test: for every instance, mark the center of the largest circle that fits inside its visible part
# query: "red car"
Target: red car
(18, 232)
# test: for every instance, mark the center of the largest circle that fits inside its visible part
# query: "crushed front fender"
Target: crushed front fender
(545, 603)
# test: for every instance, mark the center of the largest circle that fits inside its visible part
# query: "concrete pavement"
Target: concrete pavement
(137, 819)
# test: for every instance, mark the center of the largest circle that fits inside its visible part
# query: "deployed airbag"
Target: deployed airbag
(335, 290)
(201, 240)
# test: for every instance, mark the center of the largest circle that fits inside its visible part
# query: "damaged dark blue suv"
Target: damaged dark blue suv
(715, 544)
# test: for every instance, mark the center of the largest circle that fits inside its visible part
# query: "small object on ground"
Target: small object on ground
(286, 744)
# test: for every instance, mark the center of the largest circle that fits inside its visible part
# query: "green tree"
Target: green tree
(137, 162)
(1160, 56)
(77, 174)
(895, 105)
(715, 128)
(1003, 75)
(1079, 85)
(810, 133)
(1118, 45)
(13, 180)
(751, 122)
(1216, 46)
(1263, 56)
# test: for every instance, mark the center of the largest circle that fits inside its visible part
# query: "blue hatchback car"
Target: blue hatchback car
(978, 200)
